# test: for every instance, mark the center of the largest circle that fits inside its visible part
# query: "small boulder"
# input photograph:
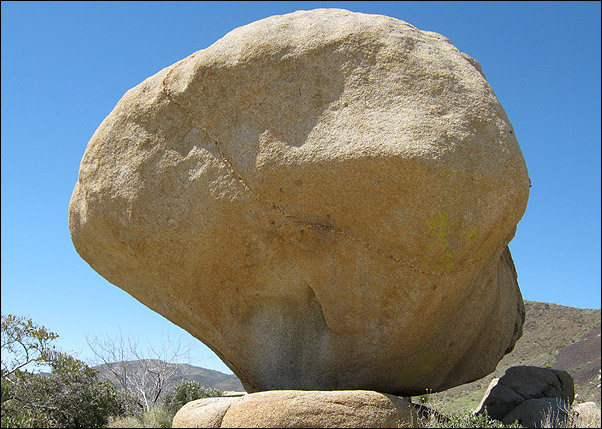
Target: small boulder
(539, 412)
(203, 413)
(233, 393)
(524, 383)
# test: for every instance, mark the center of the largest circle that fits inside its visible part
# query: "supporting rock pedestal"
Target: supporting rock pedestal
(296, 408)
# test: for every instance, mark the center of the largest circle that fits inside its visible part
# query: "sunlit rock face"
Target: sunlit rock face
(324, 198)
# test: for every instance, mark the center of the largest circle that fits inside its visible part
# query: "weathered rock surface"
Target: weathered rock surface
(203, 413)
(290, 409)
(527, 393)
(324, 198)
(538, 413)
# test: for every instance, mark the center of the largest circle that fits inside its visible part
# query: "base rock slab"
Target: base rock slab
(290, 409)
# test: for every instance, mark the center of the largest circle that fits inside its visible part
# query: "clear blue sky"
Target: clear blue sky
(65, 66)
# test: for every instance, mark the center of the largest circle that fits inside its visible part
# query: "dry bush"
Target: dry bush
(572, 419)
(156, 417)
(433, 415)
(124, 422)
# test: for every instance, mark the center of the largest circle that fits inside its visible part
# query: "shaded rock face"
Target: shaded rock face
(529, 394)
(539, 413)
(324, 198)
(293, 409)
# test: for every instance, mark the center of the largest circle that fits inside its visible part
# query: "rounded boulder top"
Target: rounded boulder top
(324, 198)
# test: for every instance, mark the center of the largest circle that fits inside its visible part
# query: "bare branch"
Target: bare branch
(145, 373)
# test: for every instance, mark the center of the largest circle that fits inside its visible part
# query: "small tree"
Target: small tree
(186, 391)
(71, 395)
(24, 344)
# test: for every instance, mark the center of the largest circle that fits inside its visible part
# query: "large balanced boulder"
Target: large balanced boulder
(294, 409)
(324, 198)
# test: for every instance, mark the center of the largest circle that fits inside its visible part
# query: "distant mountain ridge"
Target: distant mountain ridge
(206, 377)
(553, 336)
(209, 378)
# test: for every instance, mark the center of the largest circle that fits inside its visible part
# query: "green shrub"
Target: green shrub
(186, 391)
(156, 417)
(124, 422)
(161, 416)
(71, 395)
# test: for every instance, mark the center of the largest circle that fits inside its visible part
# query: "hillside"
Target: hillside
(553, 336)
(206, 377)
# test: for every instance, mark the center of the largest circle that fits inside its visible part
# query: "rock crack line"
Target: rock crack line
(281, 210)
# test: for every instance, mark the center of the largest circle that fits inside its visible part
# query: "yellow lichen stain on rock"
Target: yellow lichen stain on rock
(420, 366)
(472, 234)
(441, 248)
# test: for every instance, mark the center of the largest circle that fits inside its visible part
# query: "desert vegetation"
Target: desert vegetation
(44, 387)
(161, 414)
(435, 413)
